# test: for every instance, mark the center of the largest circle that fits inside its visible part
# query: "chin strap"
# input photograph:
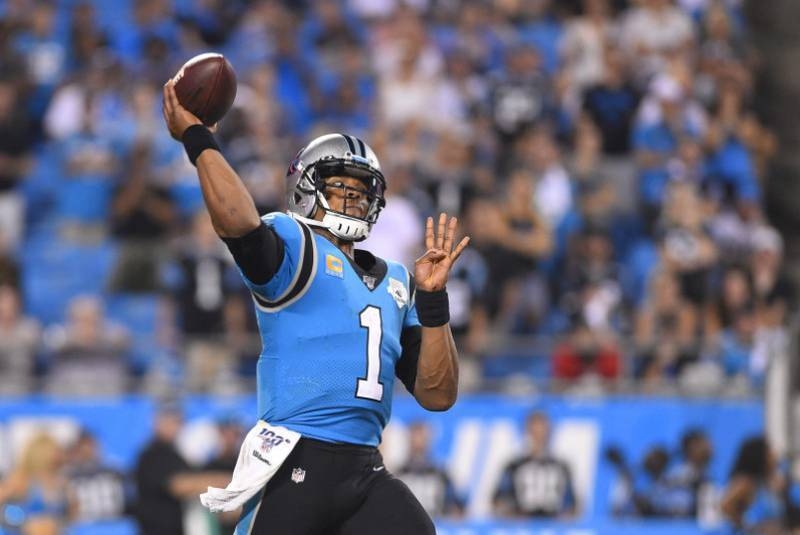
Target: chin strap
(341, 226)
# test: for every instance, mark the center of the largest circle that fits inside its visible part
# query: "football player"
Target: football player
(337, 325)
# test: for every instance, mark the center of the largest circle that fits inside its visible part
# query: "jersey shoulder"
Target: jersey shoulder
(298, 267)
(398, 271)
(283, 224)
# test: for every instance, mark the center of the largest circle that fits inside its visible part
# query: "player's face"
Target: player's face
(539, 432)
(347, 195)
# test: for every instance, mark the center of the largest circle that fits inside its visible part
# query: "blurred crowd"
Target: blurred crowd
(759, 495)
(59, 483)
(604, 155)
(55, 483)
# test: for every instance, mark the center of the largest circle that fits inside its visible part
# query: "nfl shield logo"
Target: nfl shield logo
(298, 475)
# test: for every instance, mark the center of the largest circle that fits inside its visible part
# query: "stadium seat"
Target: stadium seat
(139, 314)
(55, 271)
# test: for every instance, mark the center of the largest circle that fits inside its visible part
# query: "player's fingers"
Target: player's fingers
(441, 231)
(432, 255)
(429, 233)
(166, 106)
(172, 98)
(459, 248)
(450, 234)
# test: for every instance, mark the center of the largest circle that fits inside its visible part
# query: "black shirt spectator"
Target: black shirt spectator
(95, 491)
(142, 213)
(231, 435)
(158, 510)
(203, 280)
(520, 97)
(612, 104)
(429, 483)
(15, 136)
(164, 479)
(536, 484)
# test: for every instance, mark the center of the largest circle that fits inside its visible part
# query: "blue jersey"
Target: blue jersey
(330, 336)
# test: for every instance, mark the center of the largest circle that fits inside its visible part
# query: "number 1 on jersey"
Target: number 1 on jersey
(370, 387)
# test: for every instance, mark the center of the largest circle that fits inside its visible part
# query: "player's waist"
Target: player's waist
(338, 447)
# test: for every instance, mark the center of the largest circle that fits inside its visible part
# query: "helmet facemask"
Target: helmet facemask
(340, 223)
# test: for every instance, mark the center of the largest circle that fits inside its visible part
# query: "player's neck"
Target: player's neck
(345, 246)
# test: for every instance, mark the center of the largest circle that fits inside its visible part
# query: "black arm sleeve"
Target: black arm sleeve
(406, 367)
(258, 253)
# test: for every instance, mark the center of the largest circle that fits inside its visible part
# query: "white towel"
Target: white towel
(263, 451)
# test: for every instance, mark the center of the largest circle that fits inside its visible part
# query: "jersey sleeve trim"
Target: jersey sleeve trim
(303, 276)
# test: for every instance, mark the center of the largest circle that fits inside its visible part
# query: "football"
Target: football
(206, 86)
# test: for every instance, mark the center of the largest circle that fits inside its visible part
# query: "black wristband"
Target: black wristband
(433, 308)
(196, 139)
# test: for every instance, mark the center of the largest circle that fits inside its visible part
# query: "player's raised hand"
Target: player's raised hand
(432, 269)
(177, 118)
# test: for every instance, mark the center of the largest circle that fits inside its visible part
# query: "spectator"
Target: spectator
(406, 40)
(327, 35)
(653, 31)
(586, 353)
(536, 484)
(429, 482)
(467, 287)
(584, 43)
(95, 491)
(650, 485)
(734, 295)
(754, 497)
(88, 162)
(37, 486)
(164, 480)
(589, 285)
(730, 162)
(9, 268)
(142, 213)
(20, 340)
(665, 330)
(463, 86)
(664, 117)
(86, 38)
(448, 174)
(770, 283)
(737, 344)
(408, 89)
(16, 143)
(689, 479)
(202, 280)
(686, 248)
(520, 96)
(512, 236)
(89, 353)
(553, 192)
(641, 490)
(722, 53)
(612, 102)
(230, 435)
(45, 54)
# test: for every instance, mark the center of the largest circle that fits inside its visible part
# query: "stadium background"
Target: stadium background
(617, 163)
